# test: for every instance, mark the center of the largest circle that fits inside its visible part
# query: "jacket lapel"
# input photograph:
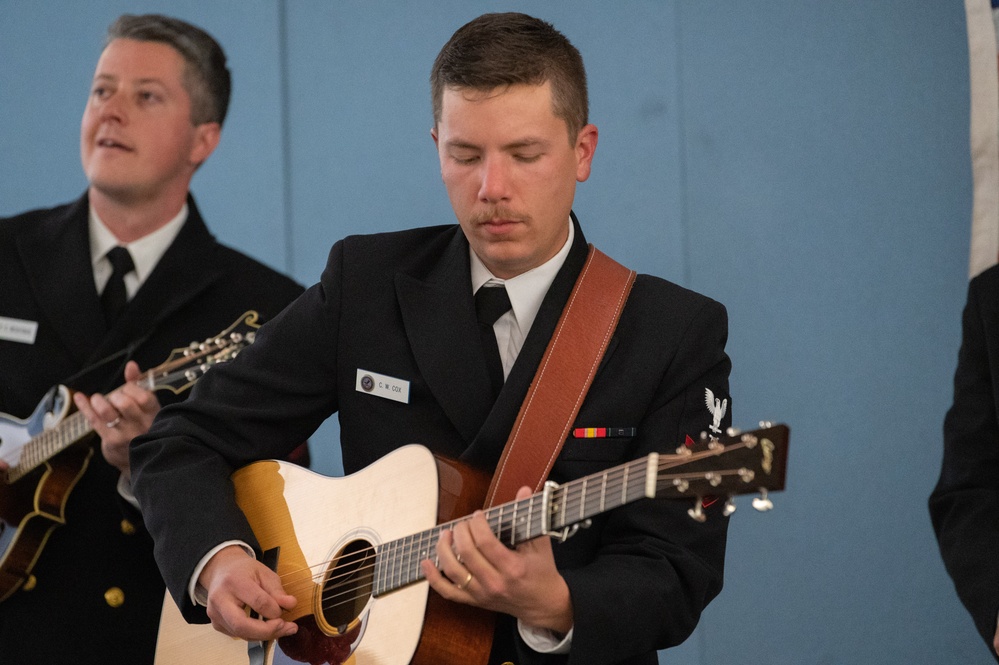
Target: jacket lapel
(439, 318)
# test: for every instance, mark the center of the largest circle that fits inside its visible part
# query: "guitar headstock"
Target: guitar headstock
(737, 463)
(188, 364)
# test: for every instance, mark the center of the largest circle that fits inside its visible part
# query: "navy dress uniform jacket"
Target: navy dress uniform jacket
(99, 593)
(964, 506)
(400, 304)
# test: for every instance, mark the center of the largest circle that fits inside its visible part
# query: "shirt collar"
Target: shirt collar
(146, 251)
(527, 290)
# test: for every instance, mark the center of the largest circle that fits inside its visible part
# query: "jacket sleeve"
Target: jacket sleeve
(260, 405)
(964, 506)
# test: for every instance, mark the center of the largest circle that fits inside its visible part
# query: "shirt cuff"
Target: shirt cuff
(543, 640)
(125, 491)
(198, 593)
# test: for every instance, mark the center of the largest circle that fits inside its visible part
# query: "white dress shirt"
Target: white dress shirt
(526, 292)
(146, 253)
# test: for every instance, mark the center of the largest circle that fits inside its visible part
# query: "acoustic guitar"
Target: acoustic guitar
(350, 548)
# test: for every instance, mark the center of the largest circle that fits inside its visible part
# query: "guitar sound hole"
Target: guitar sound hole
(348, 584)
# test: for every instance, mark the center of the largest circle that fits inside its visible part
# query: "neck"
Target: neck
(130, 220)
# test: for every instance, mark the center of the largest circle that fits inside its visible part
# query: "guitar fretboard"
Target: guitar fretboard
(398, 562)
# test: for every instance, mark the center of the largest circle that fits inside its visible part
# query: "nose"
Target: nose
(112, 108)
(495, 182)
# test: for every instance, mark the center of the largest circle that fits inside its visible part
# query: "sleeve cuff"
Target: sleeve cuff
(543, 640)
(125, 491)
(198, 593)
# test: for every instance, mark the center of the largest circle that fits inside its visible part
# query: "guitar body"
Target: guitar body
(327, 530)
(313, 518)
(34, 505)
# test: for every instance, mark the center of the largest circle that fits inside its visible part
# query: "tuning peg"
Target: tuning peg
(733, 431)
(762, 503)
(697, 512)
(729, 507)
(766, 424)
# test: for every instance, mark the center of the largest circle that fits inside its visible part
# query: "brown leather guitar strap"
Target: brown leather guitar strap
(563, 377)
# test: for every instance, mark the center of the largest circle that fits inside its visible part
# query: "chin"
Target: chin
(114, 188)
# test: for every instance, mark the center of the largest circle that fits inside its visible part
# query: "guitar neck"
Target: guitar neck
(555, 509)
(752, 461)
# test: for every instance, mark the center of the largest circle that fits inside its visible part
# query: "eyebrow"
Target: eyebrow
(529, 142)
(142, 81)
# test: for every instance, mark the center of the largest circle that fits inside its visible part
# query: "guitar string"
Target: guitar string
(569, 493)
(336, 596)
(428, 538)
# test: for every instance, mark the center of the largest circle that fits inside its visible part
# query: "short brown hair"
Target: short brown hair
(496, 50)
(206, 77)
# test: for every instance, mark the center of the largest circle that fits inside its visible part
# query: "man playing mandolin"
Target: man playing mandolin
(397, 351)
(93, 290)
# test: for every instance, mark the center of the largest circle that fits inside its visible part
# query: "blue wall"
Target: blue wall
(806, 163)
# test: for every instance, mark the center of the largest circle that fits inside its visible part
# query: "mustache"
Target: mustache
(499, 212)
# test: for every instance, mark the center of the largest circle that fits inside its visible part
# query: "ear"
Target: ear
(433, 135)
(206, 138)
(586, 145)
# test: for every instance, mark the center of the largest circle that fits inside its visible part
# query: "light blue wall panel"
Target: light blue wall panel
(827, 157)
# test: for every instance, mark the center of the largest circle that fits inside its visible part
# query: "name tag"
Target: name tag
(382, 386)
(18, 330)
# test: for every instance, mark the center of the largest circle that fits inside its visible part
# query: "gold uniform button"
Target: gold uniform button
(508, 663)
(30, 583)
(127, 528)
(114, 597)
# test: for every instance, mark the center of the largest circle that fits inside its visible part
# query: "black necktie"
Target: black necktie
(491, 302)
(114, 296)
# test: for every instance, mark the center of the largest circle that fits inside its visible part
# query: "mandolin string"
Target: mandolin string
(41, 447)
